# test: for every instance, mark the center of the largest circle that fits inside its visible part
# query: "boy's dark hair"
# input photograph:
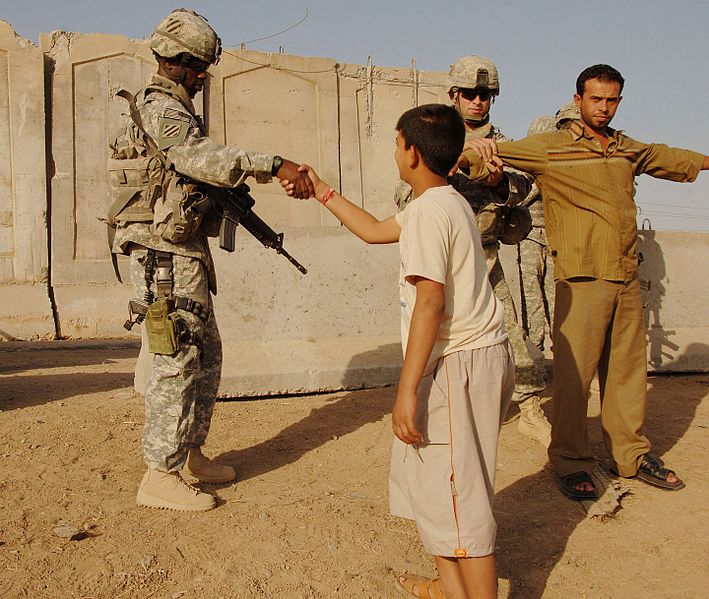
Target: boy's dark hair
(603, 72)
(437, 131)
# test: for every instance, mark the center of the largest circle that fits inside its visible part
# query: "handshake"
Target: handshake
(301, 182)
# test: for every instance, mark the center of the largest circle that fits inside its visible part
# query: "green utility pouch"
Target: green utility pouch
(160, 328)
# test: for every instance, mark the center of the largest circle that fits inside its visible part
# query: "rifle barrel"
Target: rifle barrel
(292, 260)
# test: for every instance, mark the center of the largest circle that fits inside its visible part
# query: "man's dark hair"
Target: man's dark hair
(603, 72)
(437, 131)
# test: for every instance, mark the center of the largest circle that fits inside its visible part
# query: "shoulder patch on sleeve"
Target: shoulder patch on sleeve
(171, 132)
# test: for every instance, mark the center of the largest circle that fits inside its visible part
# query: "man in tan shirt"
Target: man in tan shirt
(586, 176)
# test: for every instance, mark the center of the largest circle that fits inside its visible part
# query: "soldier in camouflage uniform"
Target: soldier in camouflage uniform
(472, 86)
(164, 147)
(535, 262)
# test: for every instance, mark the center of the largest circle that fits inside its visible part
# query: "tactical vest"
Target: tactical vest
(134, 181)
(143, 188)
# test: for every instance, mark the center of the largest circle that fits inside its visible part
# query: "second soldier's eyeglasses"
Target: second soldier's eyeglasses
(479, 92)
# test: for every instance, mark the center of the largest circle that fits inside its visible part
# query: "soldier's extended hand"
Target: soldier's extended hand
(483, 147)
(289, 187)
(298, 184)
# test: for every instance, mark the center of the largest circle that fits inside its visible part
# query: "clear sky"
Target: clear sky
(540, 47)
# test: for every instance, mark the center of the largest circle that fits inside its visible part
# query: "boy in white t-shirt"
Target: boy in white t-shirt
(458, 373)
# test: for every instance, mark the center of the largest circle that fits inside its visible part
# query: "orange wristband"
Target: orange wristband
(327, 196)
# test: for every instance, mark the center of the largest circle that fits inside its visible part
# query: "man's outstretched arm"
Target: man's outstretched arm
(484, 158)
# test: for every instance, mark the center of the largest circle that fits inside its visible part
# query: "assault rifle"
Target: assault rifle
(236, 208)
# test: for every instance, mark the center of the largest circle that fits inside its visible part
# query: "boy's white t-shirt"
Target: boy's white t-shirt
(440, 241)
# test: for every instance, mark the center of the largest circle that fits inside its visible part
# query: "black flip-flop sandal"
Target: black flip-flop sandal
(652, 472)
(567, 485)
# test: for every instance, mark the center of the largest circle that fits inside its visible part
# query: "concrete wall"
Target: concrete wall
(87, 70)
(336, 327)
(25, 309)
(675, 273)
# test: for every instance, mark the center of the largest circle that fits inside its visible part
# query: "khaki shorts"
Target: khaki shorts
(447, 483)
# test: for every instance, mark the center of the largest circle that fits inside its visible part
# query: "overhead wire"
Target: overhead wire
(242, 45)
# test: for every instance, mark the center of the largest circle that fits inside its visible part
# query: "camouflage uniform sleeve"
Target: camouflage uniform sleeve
(534, 196)
(403, 194)
(195, 155)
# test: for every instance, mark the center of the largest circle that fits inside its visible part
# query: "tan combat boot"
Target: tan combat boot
(167, 490)
(533, 423)
(205, 470)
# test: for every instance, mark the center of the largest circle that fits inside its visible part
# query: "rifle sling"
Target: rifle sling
(150, 144)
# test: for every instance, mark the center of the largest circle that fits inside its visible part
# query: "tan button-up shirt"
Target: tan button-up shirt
(588, 194)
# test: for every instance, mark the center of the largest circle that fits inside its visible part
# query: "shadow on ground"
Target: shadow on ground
(340, 416)
(535, 520)
(27, 378)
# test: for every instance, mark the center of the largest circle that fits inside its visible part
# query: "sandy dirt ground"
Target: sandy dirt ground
(308, 516)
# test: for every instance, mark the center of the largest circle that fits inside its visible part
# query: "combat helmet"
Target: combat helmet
(568, 112)
(474, 71)
(542, 124)
(184, 31)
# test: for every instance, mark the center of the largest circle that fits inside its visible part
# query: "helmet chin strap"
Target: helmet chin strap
(476, 121)
(184, 74)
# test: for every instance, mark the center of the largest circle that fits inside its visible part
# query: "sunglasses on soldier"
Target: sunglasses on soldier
(197, 65)
(478, 92)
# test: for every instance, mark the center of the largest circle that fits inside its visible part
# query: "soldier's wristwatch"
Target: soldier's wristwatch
(277, 164)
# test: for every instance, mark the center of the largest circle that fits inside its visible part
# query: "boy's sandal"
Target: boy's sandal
(429, 588)
(568, 483)
(654, 473)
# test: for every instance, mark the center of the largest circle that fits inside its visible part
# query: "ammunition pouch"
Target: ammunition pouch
(166, 330)
(164, 327)
(131, 193)
(179, 212)
(161, 328)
